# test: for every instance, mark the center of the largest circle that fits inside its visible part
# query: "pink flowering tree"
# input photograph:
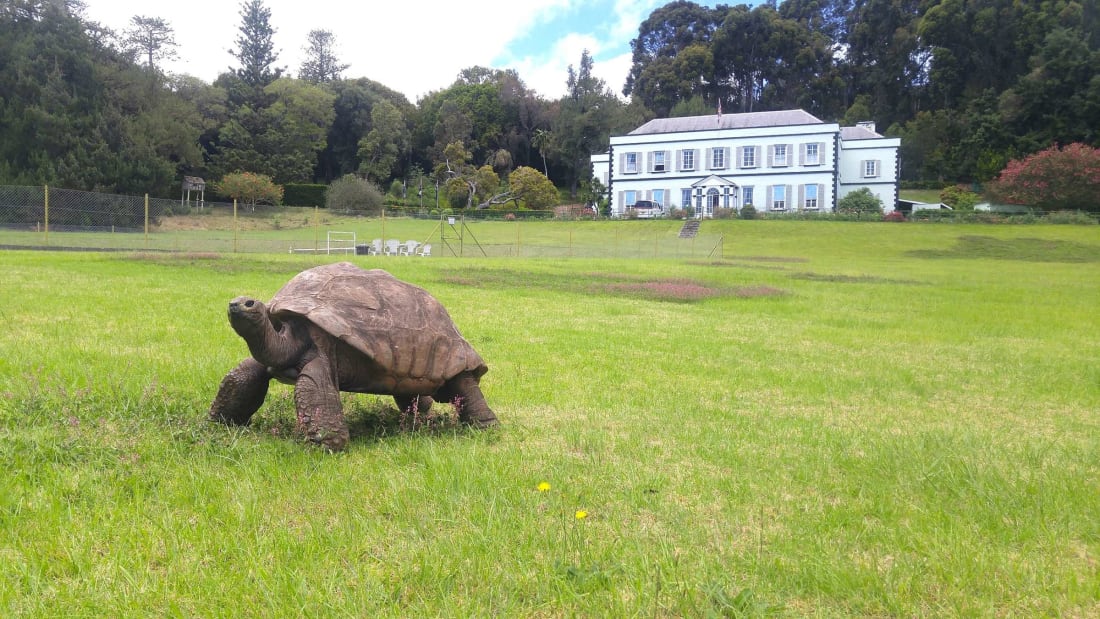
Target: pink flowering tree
(1055, 179)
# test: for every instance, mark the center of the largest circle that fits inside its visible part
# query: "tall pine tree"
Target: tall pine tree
(255, 48)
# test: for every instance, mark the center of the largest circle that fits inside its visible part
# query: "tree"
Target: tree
(1053, 179)
(663, 35)
(584, 122)
(533, 188)
(150, 38)
(527, 186)
(250, 188)
(255, 48)
(542, 141)
(461, 178)
(283, 139)
(321, 66)
(355, 100)
(351, 193)
(384, 144)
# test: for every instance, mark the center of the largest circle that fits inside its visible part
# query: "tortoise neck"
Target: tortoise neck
(275, 347)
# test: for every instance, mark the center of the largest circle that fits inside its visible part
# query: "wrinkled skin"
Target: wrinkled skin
(416, 366)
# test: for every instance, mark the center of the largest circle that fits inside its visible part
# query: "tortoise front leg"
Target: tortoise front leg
(241, 393)
(465, 393)
(320, 413)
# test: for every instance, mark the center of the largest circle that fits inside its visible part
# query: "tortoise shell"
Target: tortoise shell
(398, 325)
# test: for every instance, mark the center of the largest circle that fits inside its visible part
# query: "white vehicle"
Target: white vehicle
(647, 209)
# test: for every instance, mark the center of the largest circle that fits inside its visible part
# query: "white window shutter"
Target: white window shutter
(801, 196)
(768, 202)
(710, 158)
(679, 159)
(771, 156)
(801, 154)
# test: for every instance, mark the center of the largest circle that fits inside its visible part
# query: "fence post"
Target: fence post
(235, 225)
(316, 229)
(46, 212)
(519, 240)
(146, 221)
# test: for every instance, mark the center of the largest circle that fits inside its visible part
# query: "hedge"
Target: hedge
(303, 194)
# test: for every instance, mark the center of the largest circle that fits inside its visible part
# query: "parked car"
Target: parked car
(647, 209)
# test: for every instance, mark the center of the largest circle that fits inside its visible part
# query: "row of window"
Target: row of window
(719, 158)
(776, 197)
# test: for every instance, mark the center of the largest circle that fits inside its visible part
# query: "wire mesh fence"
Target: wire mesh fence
(63, 219)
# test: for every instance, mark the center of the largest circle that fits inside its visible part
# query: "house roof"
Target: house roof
(858, 133)
(728, 121)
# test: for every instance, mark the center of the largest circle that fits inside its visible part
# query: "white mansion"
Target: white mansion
(776, 161)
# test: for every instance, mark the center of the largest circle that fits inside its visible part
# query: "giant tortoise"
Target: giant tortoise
(342, 328)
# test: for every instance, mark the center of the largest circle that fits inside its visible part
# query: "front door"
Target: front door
(713, 202)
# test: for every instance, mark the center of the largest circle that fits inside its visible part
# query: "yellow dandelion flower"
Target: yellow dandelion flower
(544, 486)
(581, 514)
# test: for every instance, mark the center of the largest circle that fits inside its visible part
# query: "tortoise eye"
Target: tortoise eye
(249, 303)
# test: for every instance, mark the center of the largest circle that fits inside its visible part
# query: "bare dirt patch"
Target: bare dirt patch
(677, 290)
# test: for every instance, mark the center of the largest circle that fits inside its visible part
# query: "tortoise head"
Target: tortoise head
(248, 318)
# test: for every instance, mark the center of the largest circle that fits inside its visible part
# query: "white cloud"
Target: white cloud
(414, 46)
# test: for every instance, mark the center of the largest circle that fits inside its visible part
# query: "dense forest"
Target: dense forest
(967, 84)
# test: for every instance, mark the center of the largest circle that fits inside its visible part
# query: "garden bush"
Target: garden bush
(1080, 218)
(353, 194)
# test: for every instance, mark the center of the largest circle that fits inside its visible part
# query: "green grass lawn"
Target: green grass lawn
(825, 419)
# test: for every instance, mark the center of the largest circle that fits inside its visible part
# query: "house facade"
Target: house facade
(783, 161)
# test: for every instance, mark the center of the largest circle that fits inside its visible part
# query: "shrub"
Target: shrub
(1054, 179)
(894, 216)
(397, 189)
(724, 213)
(351, 193)
(748, 212)
(959, 198)
(303, 194)
(860, 201)
(1070, 217)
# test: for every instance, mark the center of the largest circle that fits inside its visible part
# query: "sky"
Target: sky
(412, 46)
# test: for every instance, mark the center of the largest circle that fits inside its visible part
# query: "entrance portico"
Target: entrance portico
(712, 193)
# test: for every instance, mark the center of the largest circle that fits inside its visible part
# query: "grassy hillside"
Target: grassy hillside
(827, 419)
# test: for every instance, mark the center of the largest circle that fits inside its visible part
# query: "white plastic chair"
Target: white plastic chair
(425, 250)
(393, 247)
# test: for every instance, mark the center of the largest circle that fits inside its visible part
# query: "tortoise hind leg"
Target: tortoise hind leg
(317, 399)
(241, 393)
(465, 393)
